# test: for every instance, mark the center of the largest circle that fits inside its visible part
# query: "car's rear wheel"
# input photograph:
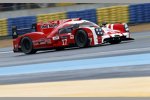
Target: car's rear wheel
(81, 39)
(27, 46)
(60, 48)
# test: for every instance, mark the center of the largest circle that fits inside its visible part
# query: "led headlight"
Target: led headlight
(99, 31)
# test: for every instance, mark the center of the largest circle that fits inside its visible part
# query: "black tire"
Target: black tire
(27, 46)
(115, 42)
(81, 39)
(60, 48)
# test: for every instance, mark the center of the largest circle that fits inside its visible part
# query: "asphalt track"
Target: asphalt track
(140, 45)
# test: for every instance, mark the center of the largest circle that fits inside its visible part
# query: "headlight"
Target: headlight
(126, 27)
(99, 31)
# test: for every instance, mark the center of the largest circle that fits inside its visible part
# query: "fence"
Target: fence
(137, 13)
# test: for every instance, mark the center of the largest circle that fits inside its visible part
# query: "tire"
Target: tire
(60, 48)
(81, 39)
(115, 42)
(27, 46)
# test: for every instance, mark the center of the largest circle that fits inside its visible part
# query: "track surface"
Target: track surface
(142, 40)
(84, 74)
(139, 45)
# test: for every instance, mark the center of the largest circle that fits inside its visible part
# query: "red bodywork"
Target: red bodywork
(47, 34)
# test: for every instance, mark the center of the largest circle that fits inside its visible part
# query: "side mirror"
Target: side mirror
(104, 23)
(14, 32)
(101, 25)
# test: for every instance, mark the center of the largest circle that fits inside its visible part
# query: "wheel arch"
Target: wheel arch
(87, 30)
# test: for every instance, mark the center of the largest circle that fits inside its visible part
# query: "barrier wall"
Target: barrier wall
(20, 22)
(3, 27)
(137, 13)
(89, 14)
(113, 14)
(64, 4)
(51, 16)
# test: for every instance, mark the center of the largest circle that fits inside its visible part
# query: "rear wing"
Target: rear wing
(16, 32)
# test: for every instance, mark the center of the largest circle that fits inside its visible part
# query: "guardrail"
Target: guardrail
(20, 22)
(89, 14)
(51, 16)
(113, 14)
(135, 13)
(139, 13)
(3, 27)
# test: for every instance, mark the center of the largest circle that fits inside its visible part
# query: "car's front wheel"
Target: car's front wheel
(27, 46)
(81, 39)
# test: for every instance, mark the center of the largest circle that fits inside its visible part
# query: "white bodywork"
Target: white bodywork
(106, 30)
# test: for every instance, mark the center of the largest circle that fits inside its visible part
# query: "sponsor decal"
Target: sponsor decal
(40, 41)
(55, 37)
(51, 25)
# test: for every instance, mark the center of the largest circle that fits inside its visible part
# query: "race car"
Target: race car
(60, 34)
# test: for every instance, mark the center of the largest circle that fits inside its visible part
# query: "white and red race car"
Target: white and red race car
(60, 34)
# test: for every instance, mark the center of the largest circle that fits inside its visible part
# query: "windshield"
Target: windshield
(81, 24)
(88, 24)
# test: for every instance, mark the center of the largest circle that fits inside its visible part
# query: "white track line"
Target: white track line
(4, 52)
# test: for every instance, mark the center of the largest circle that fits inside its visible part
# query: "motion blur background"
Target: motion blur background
(23, 15)
(23, 6)
(120, 70)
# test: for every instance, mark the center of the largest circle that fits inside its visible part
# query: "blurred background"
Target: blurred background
(23, 15)
(23, 6)
(122, 67)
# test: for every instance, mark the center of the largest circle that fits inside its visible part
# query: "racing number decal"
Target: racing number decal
(64, 42)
